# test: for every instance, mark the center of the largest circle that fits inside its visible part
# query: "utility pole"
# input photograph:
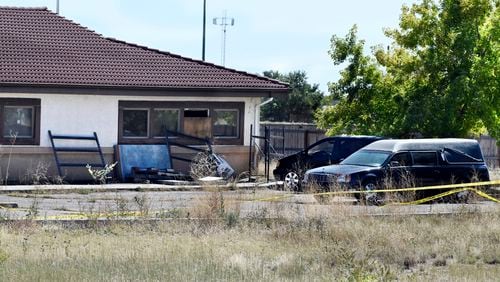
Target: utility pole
(57, 7)
(204, 29)
(224, 21)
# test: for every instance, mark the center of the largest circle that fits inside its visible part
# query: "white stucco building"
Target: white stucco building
(59, 76)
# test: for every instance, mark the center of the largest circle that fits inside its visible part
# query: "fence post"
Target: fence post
(283, 140)
(250, 154)
(267, 150)
(306, 139)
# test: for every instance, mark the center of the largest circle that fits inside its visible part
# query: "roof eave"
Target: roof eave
(139, 90)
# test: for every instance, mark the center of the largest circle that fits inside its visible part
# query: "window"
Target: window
(326, 146)
(20, 121)
(135, 123)
(163, 120)
(424, 158)
(148, 121)
(403, 159)
(196, 113)
(349, 146)
(197, 123)
(367, 158)
(456, 156)
(226, 123)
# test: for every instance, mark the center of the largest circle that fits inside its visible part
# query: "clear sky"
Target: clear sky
(282, 35)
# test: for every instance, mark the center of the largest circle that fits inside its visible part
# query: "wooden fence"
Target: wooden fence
(490, 150)
(288, 138)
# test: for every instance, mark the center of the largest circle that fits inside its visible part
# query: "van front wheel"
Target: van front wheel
(291, 181)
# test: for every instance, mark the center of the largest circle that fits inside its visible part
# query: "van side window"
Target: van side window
(455, 156)
(326, 147)
(424, 158)
(404, 159)
(347, 147)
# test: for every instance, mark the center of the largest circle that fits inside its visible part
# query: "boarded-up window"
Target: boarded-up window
(197, 123)
(149, 121)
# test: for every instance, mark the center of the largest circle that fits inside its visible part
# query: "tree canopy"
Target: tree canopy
(300, 105)
(438, 78)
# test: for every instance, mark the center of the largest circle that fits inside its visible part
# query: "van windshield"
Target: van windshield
(367, 158)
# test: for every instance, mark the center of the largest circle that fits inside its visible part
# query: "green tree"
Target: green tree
(360, 99)
(437, 79)
(485, 71)
(300, 105)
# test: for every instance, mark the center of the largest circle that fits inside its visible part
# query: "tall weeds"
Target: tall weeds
(461, 247)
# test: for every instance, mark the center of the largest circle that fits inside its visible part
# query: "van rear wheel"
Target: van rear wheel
(374, 198)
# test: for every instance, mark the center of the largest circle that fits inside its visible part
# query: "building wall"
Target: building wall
(83, 114)
(80, 114)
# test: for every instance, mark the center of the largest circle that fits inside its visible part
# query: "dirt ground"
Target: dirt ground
(78, 203)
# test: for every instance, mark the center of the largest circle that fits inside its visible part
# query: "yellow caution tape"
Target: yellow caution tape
(484, 195)
(466, 186)
(431, 198)
(462, 187)
(77, 215)
(13, 209)
(447, 193)
(91, 215)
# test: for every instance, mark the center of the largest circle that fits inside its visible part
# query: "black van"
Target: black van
(427, 161)
(330, 150)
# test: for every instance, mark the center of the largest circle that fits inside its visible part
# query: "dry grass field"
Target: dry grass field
(212, 241)
(462, 247)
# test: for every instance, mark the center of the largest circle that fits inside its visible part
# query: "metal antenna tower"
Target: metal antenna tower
(204, 30)
(224, 21)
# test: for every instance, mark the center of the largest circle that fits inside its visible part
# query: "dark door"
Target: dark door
(400, 171)
(425, 168)
(320, 154)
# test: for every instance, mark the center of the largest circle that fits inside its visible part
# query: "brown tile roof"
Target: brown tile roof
(39, 47)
